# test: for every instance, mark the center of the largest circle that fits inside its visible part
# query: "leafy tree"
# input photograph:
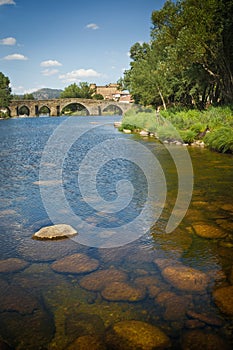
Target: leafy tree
(190, 57)
(5, 91)
(75, 91)
(98, 97)
(28, 97)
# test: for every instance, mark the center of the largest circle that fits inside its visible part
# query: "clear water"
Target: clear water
(43, 309)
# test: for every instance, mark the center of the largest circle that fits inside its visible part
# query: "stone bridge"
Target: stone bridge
(55, 106)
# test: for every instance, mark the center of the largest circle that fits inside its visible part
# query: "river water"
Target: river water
(118, 191)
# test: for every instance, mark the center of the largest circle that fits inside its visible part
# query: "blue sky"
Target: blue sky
(54, 43)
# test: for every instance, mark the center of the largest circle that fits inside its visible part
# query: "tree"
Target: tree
(5, 91)
(75, 91)
(28, 97)
(190, 57)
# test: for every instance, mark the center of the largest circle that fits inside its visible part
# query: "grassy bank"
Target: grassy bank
(214, 126)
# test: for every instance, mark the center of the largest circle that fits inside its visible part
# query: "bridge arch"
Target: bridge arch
(112, 108)
(23, 110)
(72, 107)
(44, 110)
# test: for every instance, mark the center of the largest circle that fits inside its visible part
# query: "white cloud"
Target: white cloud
(50, 63)
(93, 26)
(49, 72)
(8, 41)
(78, 75)
(21, 90)
(16, 56)
(7, 2)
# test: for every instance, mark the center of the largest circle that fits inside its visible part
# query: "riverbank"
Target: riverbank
(212, 128)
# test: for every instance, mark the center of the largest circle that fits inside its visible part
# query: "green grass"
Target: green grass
(186, 125)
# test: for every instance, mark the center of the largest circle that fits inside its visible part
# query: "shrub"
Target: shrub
(220, 140)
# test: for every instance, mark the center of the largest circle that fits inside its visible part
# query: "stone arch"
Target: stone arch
(70, 103)
(44, 110)
(23, 110)
(112, 106)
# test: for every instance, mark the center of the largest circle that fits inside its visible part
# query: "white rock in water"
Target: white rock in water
(55, 232)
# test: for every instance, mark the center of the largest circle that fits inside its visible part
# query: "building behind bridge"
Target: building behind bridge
(111, 92)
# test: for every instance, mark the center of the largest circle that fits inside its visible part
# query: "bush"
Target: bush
(188, 136)
(220, 140)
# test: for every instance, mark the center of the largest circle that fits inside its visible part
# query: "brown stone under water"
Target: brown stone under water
(76, 263)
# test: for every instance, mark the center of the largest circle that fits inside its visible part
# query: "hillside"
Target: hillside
(46, 93)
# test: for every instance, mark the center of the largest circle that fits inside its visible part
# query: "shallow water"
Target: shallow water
(43, 308)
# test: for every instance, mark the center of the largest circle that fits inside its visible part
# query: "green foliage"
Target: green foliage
(185, 125)
(188, 136)
(220, 140)
(189, 59)
(5, 91)
(28, 97)
(82, 90)
(98, 97)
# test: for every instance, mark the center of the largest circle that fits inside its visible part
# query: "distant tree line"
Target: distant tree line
(189, 60)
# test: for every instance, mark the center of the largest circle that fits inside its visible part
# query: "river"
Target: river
(124, 281)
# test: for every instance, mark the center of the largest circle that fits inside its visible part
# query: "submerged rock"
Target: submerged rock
(198, 339)
(79, 324)
(123, 291)
(12, 265)
(175, 305)
(60, 231)
(87, 342)
(152, 283)
(15, 298)
(209, 231)
(76, 263)
(29, 332)
(186, 278)
(98, 280)
(223, 298)
(132, 335)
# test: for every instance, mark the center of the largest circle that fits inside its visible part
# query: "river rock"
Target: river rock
(152, 283)
(27, 332)
(98, 280)
(87, 342)
(79, 324)
(223, 298)
(227, 207)
(143, 133)
(76, 263)
(175, 305)
(55, 232)
(123, 291)
(209, 319)
(225, 224)
(132, 335)
(209, 231)
(186, 278)
(15, 298)
(198, 339)
(12, 265)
